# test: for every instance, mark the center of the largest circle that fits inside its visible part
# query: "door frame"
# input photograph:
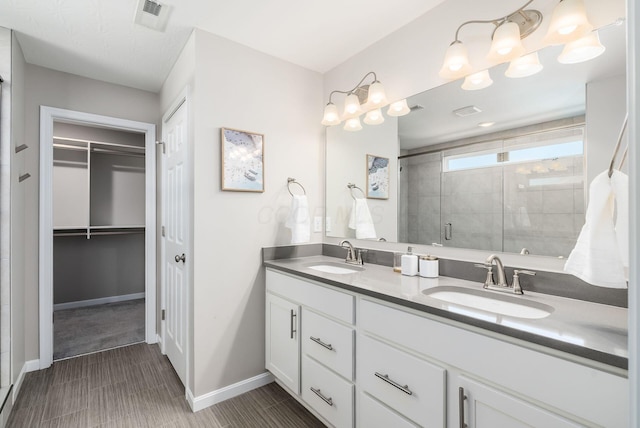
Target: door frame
(181, 101)
(49, 115)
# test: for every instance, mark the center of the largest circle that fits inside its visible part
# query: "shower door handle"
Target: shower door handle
(180, 258)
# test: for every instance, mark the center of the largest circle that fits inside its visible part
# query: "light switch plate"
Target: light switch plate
(327, 224)
(317, 224)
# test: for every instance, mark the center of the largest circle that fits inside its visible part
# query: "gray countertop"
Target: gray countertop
(593, 331)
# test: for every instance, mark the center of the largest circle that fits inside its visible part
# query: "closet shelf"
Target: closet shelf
(98, 230)
(97, 146)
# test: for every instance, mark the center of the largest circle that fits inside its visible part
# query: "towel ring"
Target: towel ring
(615, 151)
(291, 181)
(351, 187)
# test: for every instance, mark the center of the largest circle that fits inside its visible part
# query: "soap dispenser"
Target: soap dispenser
(409, 263)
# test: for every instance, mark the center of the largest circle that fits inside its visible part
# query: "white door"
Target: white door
(176, 260)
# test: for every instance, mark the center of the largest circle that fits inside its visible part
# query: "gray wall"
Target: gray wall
(56, 89)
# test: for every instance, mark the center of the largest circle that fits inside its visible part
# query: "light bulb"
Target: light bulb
(456, 62)
(377, 96)
(374, 117)
(581, 50)
(568, 23)
(352, 124)
(506, 44)
(399, 108)
(479, 80)
(352, 105)
(524, 66)
(331, 116)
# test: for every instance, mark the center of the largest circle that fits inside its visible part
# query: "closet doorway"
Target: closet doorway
(97, 233)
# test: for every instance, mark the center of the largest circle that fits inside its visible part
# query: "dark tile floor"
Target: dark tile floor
(135, 386)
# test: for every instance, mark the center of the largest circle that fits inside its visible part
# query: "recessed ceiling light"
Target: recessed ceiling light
(466, 111)
(486, 124)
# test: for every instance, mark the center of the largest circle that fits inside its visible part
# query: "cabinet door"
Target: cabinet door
(282, 345)
(481, 406)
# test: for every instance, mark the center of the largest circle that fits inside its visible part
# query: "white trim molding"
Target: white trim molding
(99, 301)
(222, 394)
(49, 115)
(29, 366)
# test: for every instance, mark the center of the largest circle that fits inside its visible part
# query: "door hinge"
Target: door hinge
(163, 232)
(163, 314)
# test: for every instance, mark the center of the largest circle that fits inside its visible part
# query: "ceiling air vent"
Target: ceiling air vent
(152, 14)
(466, 111)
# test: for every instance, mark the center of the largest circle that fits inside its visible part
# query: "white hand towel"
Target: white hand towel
(299, 220)
(360, 220)
(601, 253)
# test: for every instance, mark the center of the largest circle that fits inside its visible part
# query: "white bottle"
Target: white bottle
(409, 263)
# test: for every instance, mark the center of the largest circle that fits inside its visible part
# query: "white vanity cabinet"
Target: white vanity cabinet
(326, 351)
(360, 361)
(282, 345)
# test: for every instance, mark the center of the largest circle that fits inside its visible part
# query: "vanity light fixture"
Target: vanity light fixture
(368, 98)
(506, 41)
(526, 65)
(479, 80)
(583, 49)
(568, 23)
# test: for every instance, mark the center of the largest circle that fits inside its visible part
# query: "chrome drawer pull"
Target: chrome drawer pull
(321, 343)
(329, 401)
(385, 378)
(293, 322)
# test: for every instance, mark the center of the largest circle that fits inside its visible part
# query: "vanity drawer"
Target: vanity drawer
(328, 394)
(409, 385)
(328, 342)
(372, 414)
(331, 302)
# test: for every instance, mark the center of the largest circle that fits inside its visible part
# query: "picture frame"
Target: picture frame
(242, 160)
(377, 177)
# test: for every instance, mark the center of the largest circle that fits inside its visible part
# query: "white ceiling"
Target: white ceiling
(98, 39)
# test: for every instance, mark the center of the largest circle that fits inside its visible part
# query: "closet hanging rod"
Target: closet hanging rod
(615, 151)
(102, 143)
(98, 150)
(99, 233)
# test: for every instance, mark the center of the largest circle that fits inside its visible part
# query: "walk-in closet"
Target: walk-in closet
(98, 239)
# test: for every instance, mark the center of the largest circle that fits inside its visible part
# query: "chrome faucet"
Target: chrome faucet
(502, 280)
(354, 256)
(502, 284)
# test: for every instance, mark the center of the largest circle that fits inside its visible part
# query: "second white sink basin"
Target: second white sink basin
(335, 268)
(491, 302)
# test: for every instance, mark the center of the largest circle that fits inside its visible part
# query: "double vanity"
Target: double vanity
(365, 346)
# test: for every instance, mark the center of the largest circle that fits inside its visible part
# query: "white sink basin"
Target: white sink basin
(335, 268)
(491, 302)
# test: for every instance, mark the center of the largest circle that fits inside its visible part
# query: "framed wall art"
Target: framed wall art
(377, 177)
(242, 160)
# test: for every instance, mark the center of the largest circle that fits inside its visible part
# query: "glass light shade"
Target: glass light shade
(331, 115)
(374, 117)
(456, 62)
(568, 23)
(399, 108)
(479, 80)
(352, 106)
(377, 96)
(582, 49)
(524, 66)
(506, 44)
(352, 124)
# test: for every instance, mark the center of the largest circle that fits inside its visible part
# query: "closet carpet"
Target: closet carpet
(95, 328)
(135, 386)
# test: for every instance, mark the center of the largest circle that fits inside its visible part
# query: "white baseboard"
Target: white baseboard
(222, 394)
(29, 366)
(100, 301)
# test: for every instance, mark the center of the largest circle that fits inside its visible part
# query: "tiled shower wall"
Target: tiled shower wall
(537, 205)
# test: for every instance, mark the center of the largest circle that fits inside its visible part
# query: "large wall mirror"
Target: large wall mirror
(517, 184)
